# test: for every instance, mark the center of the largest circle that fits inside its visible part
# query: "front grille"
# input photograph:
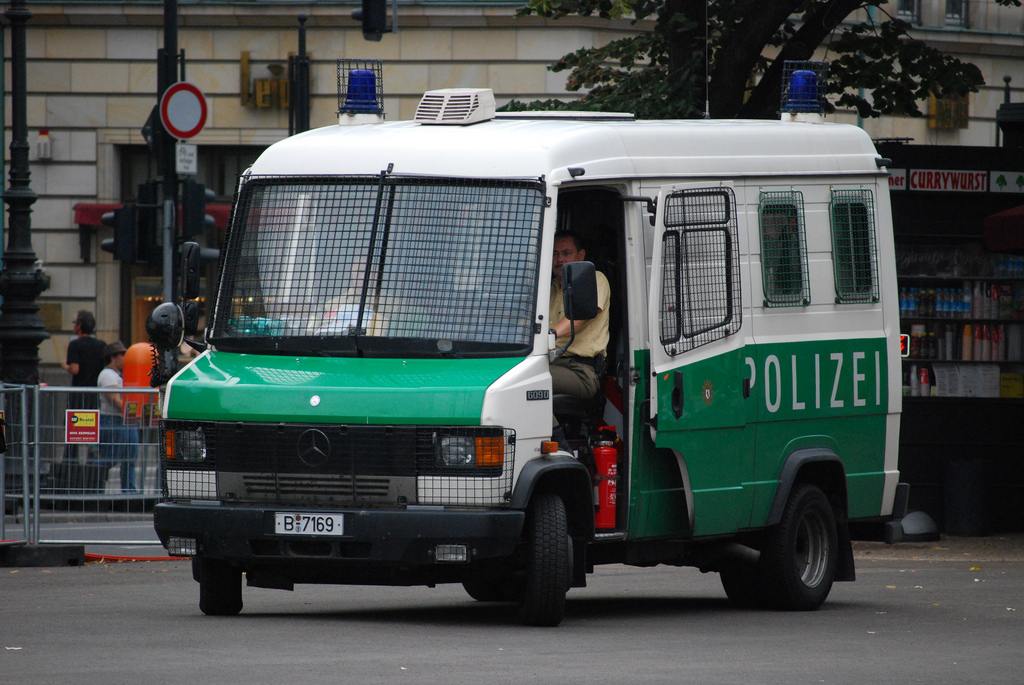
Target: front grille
(291, 449)
(345, 465)
(269, 485)
(312, 490)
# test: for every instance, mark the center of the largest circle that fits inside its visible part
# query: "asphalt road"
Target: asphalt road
(906, 619)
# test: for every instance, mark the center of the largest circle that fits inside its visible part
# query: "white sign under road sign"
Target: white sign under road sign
(186, 158)
(183, 110)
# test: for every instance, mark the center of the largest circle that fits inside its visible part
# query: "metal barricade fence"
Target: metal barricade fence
(90, 463)
(15, 465)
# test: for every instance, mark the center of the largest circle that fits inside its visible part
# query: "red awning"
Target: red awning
(1004, 231)
(220, 214)
(92, 214)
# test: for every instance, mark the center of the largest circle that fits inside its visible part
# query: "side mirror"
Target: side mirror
(579, 282)
(190, 316)
(191, 255)
(165, 326)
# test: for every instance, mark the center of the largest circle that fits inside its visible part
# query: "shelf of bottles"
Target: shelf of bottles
(964, 312)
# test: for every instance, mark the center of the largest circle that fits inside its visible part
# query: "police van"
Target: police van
(373, 402)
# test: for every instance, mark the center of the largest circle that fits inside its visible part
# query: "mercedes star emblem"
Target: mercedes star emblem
(314, 448)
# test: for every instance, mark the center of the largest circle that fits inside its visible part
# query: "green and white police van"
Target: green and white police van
(373, 402)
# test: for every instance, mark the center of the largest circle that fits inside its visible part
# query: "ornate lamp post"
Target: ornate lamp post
(21, 281)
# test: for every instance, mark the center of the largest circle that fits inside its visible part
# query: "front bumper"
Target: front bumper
(402, 537)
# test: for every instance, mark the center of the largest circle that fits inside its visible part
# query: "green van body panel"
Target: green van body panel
(712, 435)
(657, 495)
(350, 390)
(835, 390)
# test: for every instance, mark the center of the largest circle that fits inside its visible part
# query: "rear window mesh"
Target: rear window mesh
(700, 289)
(854, 248)
(783, 249)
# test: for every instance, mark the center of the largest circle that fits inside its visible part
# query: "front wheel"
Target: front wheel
(546, 562)
(220, 587)
(798, 559)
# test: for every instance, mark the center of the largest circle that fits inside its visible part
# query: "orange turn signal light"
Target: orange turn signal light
(548, 447)
(490, 451)
(169, 444)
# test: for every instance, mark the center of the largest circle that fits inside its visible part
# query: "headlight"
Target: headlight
(469, 450)
(457, 450)
(185, 445)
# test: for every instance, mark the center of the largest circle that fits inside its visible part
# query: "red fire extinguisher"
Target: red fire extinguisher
(606, 459)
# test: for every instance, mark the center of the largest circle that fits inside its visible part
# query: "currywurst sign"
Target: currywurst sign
(956, 181)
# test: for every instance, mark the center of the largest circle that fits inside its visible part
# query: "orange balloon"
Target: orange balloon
(138, 360)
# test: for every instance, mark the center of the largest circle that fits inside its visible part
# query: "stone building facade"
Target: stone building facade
(91, 77)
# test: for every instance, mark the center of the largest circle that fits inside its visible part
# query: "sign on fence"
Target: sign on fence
(82, 427)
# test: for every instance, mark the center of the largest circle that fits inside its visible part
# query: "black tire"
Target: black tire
(546, 562)
(798, 559)
(743, 585)
(220, 587)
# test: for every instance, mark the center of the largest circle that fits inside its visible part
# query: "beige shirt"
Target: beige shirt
(591, 336)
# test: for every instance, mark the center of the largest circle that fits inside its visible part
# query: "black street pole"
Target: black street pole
(167, 76)
(298, 85)
(21, 282)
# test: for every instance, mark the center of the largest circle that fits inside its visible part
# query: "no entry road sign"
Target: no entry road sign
(183, 110)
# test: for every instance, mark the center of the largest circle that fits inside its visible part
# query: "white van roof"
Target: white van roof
(605, 148)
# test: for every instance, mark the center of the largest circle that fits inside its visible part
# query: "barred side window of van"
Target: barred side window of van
(783, 249)
(381, 265)
(853, 246)
(700, 287)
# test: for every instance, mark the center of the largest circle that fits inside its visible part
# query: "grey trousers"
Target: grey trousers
(570, 376)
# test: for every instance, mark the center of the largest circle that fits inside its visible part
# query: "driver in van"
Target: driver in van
(578, 371)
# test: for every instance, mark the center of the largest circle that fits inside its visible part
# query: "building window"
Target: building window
(219, 167)
(853, 246)
(909, 10)
(700, 280)
(783, 249)
(956, 13)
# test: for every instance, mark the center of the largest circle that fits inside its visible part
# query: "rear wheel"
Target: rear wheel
(220, 587)
(546, 562)
(798, 560)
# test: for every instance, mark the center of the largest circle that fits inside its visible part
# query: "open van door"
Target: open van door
(699, 390)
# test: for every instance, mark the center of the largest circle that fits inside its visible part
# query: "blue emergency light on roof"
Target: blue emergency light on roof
(362, 92)
(360, 89)
(803, 86)
(803, 90)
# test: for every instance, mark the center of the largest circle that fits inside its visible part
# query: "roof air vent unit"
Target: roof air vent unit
(456, 106)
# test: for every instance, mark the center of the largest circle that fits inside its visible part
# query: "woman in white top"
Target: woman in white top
(118, 440)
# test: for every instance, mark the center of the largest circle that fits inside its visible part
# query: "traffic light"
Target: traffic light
(147, 219)
(136, 228)
(374, 17)
(194, 219)
(122, 245)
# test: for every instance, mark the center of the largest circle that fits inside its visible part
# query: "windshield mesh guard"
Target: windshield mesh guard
(386, 264)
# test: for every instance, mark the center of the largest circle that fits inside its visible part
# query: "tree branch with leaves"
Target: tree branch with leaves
(727, 56)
